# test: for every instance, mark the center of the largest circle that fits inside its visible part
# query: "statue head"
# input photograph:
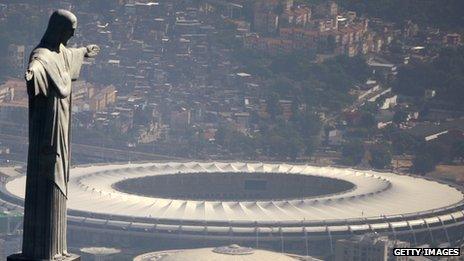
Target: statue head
(60, 29)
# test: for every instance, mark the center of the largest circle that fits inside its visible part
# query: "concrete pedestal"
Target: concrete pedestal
(19, 257)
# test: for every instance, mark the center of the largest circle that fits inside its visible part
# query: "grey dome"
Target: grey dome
(225, 253)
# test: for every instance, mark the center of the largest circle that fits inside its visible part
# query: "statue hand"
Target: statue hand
(92, 50)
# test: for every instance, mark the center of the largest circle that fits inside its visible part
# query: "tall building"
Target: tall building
(286, 108)
(298, 16)
(327, 9)
(452, 39)
(180, 119)
(267, 14)
(103, 98)
(368, 247)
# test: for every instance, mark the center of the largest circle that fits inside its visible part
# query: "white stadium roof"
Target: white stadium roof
(375, 195)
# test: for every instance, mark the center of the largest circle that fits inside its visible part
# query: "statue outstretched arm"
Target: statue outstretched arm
(76, 58)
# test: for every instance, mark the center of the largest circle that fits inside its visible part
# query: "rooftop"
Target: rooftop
(224, 253)
(376, 195)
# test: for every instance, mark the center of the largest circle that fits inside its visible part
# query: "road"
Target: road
(89, 151)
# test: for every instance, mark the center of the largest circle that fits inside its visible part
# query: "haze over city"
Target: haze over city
(293, 129)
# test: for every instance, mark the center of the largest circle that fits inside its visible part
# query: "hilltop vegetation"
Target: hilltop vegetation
(445, 75)
(446, 14)
(296, 74)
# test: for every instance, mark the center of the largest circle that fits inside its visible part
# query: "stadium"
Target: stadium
(291, 208)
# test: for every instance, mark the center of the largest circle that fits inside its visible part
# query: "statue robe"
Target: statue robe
(49, 153)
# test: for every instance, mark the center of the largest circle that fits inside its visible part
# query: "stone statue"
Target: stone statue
(52, 67)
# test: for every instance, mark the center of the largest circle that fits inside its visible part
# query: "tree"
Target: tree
(428, 156)
(352, 153)
(282, 86)
(400, 117)
(444, 74)
(440, 152)
(223, 135)
(282, 141)
(235, 142)
(403, 142)
(331, 43)
(370, 107)
(444, 14)
(457, 150)
(381, 156)
(243, 144)
(311, 146)
(367, 120)
(423, 162)
(273, 104)
(308, 124)
(279, 9)
(293, 147)
(414, 79)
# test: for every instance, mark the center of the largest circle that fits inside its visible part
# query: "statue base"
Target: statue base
(19, 257)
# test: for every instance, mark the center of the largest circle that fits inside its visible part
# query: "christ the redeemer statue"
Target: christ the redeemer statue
(52, 68)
